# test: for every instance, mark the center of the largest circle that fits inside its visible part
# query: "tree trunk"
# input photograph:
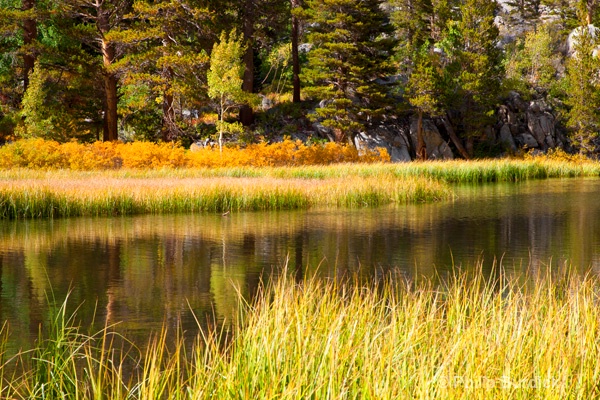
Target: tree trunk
(470, 145)
(421, 146)
(111, 132)
(29, 35)
(457, 142)
(246, 114)
(169, 128)
(169, 131)
(295, 55)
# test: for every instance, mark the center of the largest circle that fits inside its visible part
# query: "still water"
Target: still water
(146, 271)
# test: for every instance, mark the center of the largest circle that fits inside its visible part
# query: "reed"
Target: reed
(58, 195)
(467, 336)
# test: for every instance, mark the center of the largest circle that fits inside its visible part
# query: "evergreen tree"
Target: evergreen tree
(18, 49)
(423, 92)
(583, 92)
(262, 23)
(474, 68)
(54, 107)
(295, 36)
(351, 47)
(165, 43)
(97, 18)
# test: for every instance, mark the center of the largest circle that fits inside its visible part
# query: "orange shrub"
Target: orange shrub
(152, 155)
(47, 154)
(98, 155)
(32, 153)
(286, 153)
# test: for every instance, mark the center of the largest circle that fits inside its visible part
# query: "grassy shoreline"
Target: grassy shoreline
(469, 337)
(100, 196)
(27, 193)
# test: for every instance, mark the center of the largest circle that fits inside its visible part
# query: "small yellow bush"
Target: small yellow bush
(557, 155)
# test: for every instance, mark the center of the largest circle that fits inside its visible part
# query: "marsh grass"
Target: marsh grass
(467, 336)
(94, 195)
(26, 193)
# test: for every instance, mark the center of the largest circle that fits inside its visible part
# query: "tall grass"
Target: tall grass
(481, 171)
(94, 195)
(470, 336)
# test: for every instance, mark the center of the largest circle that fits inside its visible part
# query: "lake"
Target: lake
(144, 272)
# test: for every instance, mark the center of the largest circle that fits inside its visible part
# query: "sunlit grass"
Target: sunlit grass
(27, 193)
(470, 336)
(59, 195)
(478, 171)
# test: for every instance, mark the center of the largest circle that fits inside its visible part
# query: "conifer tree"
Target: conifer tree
(583, 93)
(295, 37)
(18, 34)
(351, 47)
(474, 67)
(97, 18)
(165, 44)
(423, 92)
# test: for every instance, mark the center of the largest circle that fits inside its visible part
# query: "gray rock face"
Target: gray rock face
(506, 138)
(437, 148)
(528, 125)
(541, 126)
(527, 141)
(388, 136)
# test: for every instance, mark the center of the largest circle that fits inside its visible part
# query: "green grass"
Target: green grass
(468, 337)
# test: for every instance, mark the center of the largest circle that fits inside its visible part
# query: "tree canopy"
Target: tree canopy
(141, 69)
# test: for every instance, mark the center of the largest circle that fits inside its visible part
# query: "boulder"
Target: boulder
(541, 126)
(390, 137)
(436, 146)
(506, 137)
(527, 141)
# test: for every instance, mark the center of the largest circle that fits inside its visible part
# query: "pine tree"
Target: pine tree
(295, 37)
(165, 43)
(583, 93)
(351, 47)
(423, 92)
(474, 68)
(97, 18)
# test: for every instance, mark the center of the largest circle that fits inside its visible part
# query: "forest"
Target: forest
(490, 77)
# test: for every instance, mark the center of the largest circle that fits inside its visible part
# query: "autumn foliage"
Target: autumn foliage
(47, 154)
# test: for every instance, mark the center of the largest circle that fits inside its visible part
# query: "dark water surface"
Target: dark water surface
(148, 271)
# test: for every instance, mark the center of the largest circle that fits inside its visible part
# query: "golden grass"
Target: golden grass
(470, 337)
(63, 195)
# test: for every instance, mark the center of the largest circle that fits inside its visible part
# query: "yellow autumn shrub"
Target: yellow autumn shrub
(48, 154)
(152, 155)
(86, 157)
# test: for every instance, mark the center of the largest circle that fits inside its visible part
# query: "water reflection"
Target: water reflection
(153, 270)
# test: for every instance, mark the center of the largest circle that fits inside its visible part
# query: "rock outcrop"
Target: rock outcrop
(525, 125)
(437, 147)
(391, 135)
